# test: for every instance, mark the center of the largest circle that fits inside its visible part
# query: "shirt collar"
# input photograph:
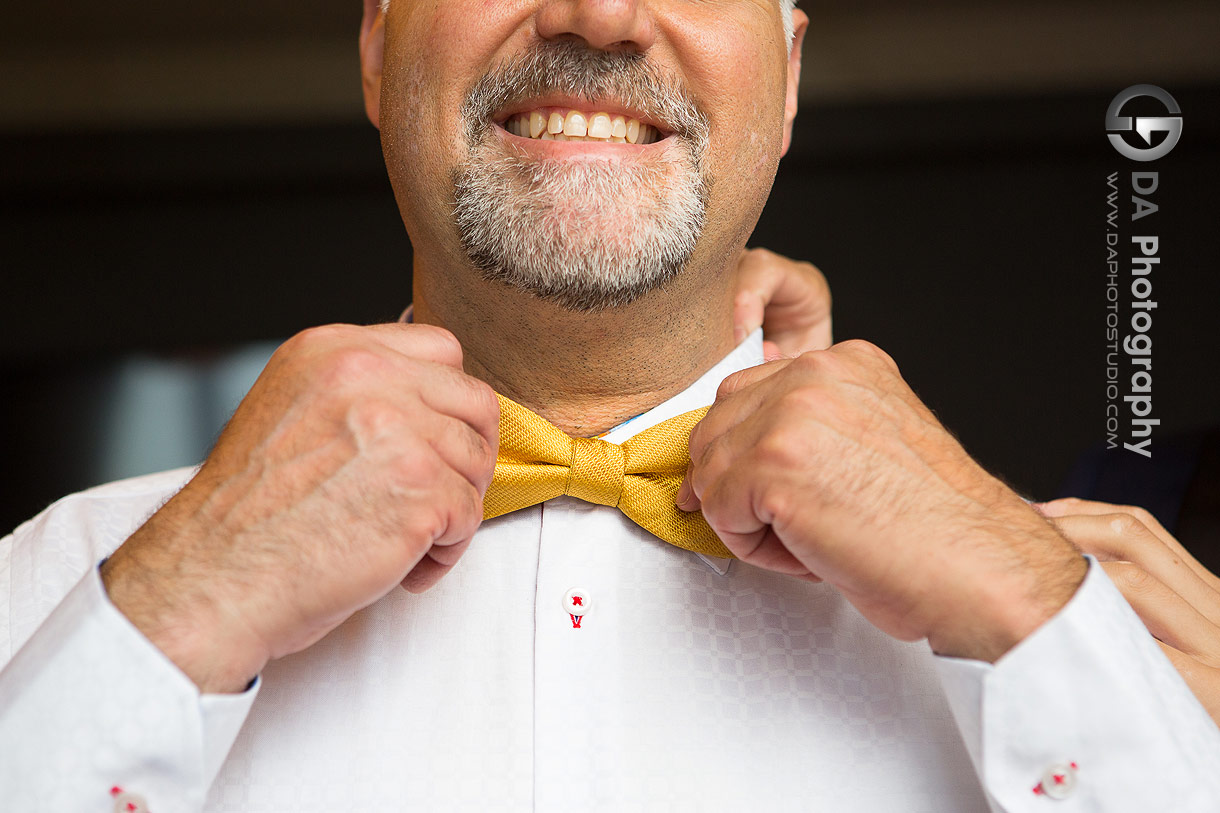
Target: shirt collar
(699, 394)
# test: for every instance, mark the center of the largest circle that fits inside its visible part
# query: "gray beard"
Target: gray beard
(585, 234)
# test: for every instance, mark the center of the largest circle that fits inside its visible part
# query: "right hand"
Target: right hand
(358, 461)
(1176, 597)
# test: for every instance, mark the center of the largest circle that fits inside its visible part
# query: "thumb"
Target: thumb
(686, 499)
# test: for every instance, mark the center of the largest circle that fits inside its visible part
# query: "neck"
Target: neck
(583, 372)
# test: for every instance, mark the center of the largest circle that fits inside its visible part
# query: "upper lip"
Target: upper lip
(611, 106)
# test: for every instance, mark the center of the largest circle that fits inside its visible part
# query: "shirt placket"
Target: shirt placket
(575, 627)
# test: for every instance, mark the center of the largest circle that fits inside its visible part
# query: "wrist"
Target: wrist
(1002, 606)
(185, 629)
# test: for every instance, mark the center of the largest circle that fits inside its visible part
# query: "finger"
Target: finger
(431, 569)
(771, 351)
(461, 447)
(748, 308)
(427, 342)
(748, 377)
(1121, 537)
(453, 393)
(460, 506)
(729, 496)
(1168, 616)
(1204, 681)
(759, 273)
(730, 511)
(733, 404)
(794, 298)
(685, 498)
(1074, 505)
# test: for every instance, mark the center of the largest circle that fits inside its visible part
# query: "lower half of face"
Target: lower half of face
(584, 225)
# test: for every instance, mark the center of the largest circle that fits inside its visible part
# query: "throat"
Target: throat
(587, 373)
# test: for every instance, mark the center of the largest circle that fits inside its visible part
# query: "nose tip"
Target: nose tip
(607, 25)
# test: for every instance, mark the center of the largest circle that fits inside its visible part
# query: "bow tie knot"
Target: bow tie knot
(597, 471)
(538, 462)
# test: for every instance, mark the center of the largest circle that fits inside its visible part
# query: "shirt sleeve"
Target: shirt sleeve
(89, 706)
(1086, 713)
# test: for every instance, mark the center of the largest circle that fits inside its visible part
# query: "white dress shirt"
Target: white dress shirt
(690, 684)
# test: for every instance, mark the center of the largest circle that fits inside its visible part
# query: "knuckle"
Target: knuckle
(309, 342)
(782, 448)
(1127, 526)
(775, 507)
(371, 417)
(350, 364)
(729, 385)
(831, 363)
(698, 441)
(440, 342)
(1141, 515)
(1131, 579)
(321, 335)
(423, 524)
(867, 349)
(413, 467)
(806, 400)
(814, 361)
(704, 467)
(484, 399)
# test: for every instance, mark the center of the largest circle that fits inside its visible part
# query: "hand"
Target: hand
(790, 299)
(1177, 598)
(358, 461)
(828, 466)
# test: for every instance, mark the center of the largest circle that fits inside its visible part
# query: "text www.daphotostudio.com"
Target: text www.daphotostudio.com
(1133, 253)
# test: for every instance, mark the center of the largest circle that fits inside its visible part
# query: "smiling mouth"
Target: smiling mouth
(562, 124)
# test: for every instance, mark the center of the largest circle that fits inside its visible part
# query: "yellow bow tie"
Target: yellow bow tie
(538, 462)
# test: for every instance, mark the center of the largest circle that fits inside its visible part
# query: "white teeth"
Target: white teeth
(600, 126)
(575, 124)
(579, 126)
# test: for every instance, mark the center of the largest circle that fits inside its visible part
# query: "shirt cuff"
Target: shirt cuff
(1086, 711)
(90, 704)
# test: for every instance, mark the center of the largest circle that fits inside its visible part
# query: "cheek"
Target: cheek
(433, 56)
(738, 72)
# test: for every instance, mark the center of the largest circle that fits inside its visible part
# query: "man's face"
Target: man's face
(583, 150)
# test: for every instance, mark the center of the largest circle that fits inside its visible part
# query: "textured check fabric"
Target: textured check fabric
(538, 462)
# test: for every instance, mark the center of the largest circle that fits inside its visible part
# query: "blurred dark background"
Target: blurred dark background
(183, 186)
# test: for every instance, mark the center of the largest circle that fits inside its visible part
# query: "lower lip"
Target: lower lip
(562, 149)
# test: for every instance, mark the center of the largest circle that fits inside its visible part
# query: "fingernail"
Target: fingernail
(739, 334)
(683, 494)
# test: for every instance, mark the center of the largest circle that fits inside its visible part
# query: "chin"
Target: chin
(587, 237)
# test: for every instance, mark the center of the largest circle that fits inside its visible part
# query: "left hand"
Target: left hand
(1176, 597)
(788, 298)
(828, 466)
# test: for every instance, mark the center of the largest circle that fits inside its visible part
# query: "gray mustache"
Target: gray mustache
(572, 69)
